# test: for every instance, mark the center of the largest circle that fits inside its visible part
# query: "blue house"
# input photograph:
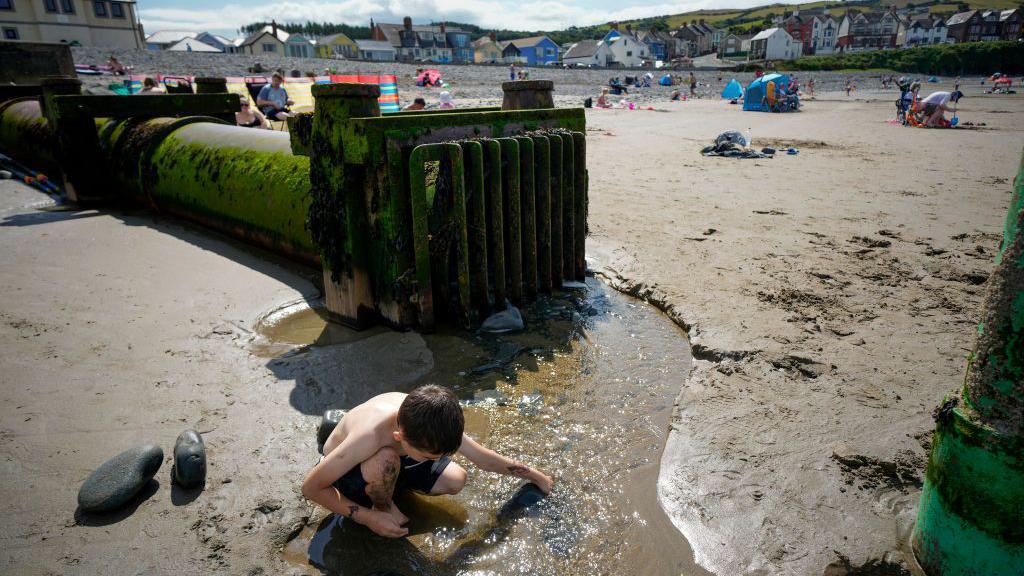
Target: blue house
(536, 50)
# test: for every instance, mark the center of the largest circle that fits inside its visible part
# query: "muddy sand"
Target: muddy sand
(830, 299)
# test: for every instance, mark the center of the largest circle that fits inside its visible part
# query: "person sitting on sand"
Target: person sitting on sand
(248, 117)
(447, 102)
(273, 99)
(602, 100)
(398, 442)
(417, 104)
(935, 106)
(116, 67)
(149, 86)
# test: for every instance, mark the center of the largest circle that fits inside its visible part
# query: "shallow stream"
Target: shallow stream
(585, 394)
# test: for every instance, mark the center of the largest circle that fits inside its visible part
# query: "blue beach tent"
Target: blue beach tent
(732, 90)
(666, 80)
(754, 100)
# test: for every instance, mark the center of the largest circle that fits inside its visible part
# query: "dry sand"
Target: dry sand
(830, 298)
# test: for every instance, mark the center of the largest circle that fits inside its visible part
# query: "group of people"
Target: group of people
(928, 111)
(514, 74)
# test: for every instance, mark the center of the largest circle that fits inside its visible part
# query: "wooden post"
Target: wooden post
(528, 95)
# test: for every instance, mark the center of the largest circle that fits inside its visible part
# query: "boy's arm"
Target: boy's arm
(319, 485)
(487, 459)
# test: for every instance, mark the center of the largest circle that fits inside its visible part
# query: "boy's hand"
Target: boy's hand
(382, 523)
(543, 481)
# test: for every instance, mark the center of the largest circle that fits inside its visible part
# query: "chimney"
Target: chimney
(372, 26)
(273, 28)
(407, 24)
(494, 36)
(442, 27)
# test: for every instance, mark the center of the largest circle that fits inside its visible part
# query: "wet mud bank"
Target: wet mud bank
(585, 393)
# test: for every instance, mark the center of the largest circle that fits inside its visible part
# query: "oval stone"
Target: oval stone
(328, 423)
(189, 460)
(119, 479)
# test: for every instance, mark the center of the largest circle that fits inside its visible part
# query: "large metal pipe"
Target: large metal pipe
(240, 181)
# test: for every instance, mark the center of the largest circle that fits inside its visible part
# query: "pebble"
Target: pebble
(328, 423)
(5, 175)
(189, 460)
(119, 479)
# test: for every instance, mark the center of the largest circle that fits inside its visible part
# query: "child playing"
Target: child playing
(398, 441)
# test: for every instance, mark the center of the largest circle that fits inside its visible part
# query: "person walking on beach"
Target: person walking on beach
(399, 442)
(693, 85)
(849, 86)
(512, 72)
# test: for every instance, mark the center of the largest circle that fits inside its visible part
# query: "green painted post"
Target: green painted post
(337, 214)
(542, 187)
(580, 207)
(528, 218)
(971, 517)
(495, 222)
(511, 215)
(556, 210)
(476, 224)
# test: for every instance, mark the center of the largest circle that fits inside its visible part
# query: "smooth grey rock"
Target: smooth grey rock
(508, 320)
(328, 423)
(119, 479)
(189, 460)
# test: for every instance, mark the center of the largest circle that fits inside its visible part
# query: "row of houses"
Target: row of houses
(815, 32)
(404, 42)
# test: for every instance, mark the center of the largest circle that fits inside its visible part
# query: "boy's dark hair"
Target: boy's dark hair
(431, 419)
(420, 101)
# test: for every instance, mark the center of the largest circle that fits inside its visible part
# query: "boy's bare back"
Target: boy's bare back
(378, 414)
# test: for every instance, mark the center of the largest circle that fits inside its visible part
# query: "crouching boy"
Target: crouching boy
(399, 441)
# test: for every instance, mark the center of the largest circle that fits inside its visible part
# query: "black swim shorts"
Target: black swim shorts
(418, 476)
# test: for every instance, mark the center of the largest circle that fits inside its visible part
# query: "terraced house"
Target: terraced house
(868, 31)
(105, 23)
(435, 43)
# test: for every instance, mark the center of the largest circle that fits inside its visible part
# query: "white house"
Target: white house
(921, 31)
(164, 39)
(219, 42)
(824, 34)
(191, 45)
(587, 53)
(775, 44)
(624, 50)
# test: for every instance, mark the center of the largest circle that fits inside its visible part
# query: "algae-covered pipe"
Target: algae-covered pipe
(241, 181)
(971, 516)
(25, 135)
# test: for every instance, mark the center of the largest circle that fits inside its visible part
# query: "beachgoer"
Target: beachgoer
(401, 442)
(511, 71)
(526, 74)
(693, 85)
(936, 104)
(273, 99)
(417, 104)
(116, 67)
(810, 86)
(676, 96)
(602, 100)
(149, 86)
(248, 117)
(849, 86)
(446, 100)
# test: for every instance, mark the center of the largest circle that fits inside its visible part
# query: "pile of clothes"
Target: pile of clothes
(732, 144)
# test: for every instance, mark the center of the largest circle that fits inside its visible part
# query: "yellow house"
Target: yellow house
(337, 46)
(486, 51)
(101, 23)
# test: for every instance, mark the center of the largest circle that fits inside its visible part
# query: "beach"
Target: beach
(830, 298)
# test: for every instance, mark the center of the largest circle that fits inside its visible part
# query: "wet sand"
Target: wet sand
(831, 298)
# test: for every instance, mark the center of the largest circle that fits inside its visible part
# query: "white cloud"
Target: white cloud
(530, 15)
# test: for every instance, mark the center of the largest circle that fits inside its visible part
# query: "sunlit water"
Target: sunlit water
(585, 394)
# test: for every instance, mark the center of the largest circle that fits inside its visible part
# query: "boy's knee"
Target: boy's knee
(453, 480)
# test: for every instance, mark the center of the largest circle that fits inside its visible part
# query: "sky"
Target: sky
(226, 16)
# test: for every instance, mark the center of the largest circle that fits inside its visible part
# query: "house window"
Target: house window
(11, 34)
(100, 8)
(551, 51)
(6, 5)
(269, 47)
(117, 10)
(50, 5)
(67, 6)
(629, 53)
